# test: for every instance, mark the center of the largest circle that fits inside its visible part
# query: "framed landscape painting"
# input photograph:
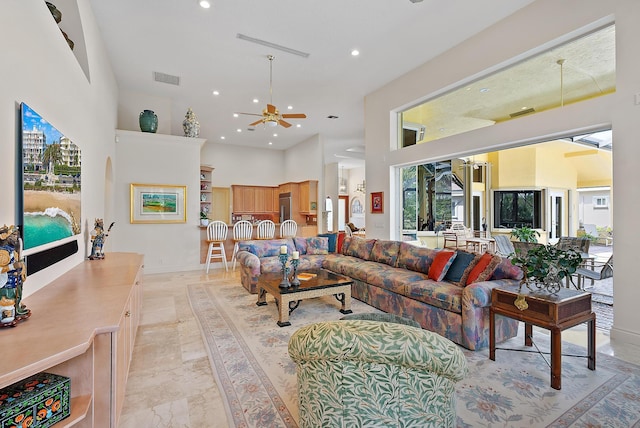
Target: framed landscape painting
(158, 203)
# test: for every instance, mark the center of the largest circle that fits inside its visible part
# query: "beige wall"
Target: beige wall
(527, 31)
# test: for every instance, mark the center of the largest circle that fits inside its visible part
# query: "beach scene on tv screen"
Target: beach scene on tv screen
(51, 171)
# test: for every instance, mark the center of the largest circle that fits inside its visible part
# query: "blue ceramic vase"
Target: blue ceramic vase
(148, 121)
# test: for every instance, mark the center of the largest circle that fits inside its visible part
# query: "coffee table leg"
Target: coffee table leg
(262, 297)
(556, 359)
(591, 342)
(345, 299)
(283, 312)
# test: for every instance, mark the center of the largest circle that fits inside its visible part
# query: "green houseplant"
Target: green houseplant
(545, 267)
(204, 219)
(525, 234)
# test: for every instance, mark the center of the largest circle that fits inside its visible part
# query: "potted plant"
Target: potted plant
(204, 220)
(545, 267)
(525, 234)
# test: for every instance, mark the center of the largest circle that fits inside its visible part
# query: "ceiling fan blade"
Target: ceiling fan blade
(256, 122)
(271, 108)
(294, 116)
(283, 123)
(249, 114)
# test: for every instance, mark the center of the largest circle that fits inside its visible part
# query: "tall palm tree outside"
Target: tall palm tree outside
(51, 157)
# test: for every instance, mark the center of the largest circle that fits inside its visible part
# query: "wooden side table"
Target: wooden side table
(555, 312)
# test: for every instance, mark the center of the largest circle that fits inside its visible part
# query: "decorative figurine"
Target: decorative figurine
(13, 273)
(98, 236)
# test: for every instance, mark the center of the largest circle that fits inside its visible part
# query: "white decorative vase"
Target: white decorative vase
(204, 221)
(190, 124)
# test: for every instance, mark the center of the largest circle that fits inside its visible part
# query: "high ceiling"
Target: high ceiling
(201, 47)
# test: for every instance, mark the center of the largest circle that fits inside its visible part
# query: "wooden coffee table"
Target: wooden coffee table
(556, 312)
(288, 299)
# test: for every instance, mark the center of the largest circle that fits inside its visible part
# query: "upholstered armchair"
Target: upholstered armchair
(357, 373)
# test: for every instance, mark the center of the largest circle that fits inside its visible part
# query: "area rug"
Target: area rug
(249, 358)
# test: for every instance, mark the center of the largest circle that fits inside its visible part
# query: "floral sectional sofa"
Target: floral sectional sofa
(447, 292)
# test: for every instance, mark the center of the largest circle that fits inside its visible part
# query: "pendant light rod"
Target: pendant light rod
(560, 62)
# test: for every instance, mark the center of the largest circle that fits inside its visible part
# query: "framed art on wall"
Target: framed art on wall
(158, 203)
(377, 202)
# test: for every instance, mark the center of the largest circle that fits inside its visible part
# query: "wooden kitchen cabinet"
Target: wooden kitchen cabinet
(308, 197)
(254, 199)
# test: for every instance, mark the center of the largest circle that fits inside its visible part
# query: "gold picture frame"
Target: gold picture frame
(158, 203)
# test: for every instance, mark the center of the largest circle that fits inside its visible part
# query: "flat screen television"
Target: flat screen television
(51, 183)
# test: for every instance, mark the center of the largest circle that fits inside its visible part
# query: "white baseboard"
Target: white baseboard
(626, 336)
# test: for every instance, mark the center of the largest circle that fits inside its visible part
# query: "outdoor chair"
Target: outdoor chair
(597, 272)
(504, 246)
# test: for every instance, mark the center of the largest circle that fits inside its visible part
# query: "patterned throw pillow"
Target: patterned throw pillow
(385, 252)
(360, 247)
(461, 267)
(441, 264)
(484, 268)
(301, 244)
(317, 245)
(506, 270)
(333, 240)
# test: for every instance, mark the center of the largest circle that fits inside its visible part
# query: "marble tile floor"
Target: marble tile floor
(171, 383)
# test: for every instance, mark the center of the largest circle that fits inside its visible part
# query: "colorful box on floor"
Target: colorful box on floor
(38, 401)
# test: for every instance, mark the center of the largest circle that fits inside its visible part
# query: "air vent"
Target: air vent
(166, 78)
(522, 112)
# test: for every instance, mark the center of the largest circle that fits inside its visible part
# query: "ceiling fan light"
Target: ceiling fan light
(272, 123)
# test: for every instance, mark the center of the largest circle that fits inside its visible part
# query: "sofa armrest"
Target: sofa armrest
(478, 294)
(381, 343)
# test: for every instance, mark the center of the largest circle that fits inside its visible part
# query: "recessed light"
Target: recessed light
(222, 137)
(204, 4)
(524, 108)
(298, 126)
(270, 143)
(239, 130)
(289, 107)
(235, 115)
(255, 100)
(355, 52)
(275, 135)
(483, 90)
(216, 93)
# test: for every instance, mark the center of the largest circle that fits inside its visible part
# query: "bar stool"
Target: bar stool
(216, 235)
(242, 231)
(266, 229)
(288, 229)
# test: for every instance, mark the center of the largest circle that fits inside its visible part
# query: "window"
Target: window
(600, 202)
(517, 208)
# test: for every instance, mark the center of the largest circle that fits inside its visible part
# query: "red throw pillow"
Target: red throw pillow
(484, 268)
(441, 264)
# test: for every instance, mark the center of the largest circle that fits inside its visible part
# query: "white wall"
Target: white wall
(39, 68)
(536, 25)
(146, 158)
(243, 165)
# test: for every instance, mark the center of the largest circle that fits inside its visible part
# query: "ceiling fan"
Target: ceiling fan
(271, 116)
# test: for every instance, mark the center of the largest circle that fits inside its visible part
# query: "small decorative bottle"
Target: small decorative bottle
(190, 125)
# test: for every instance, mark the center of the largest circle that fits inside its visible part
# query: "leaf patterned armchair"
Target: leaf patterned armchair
(359, 373)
